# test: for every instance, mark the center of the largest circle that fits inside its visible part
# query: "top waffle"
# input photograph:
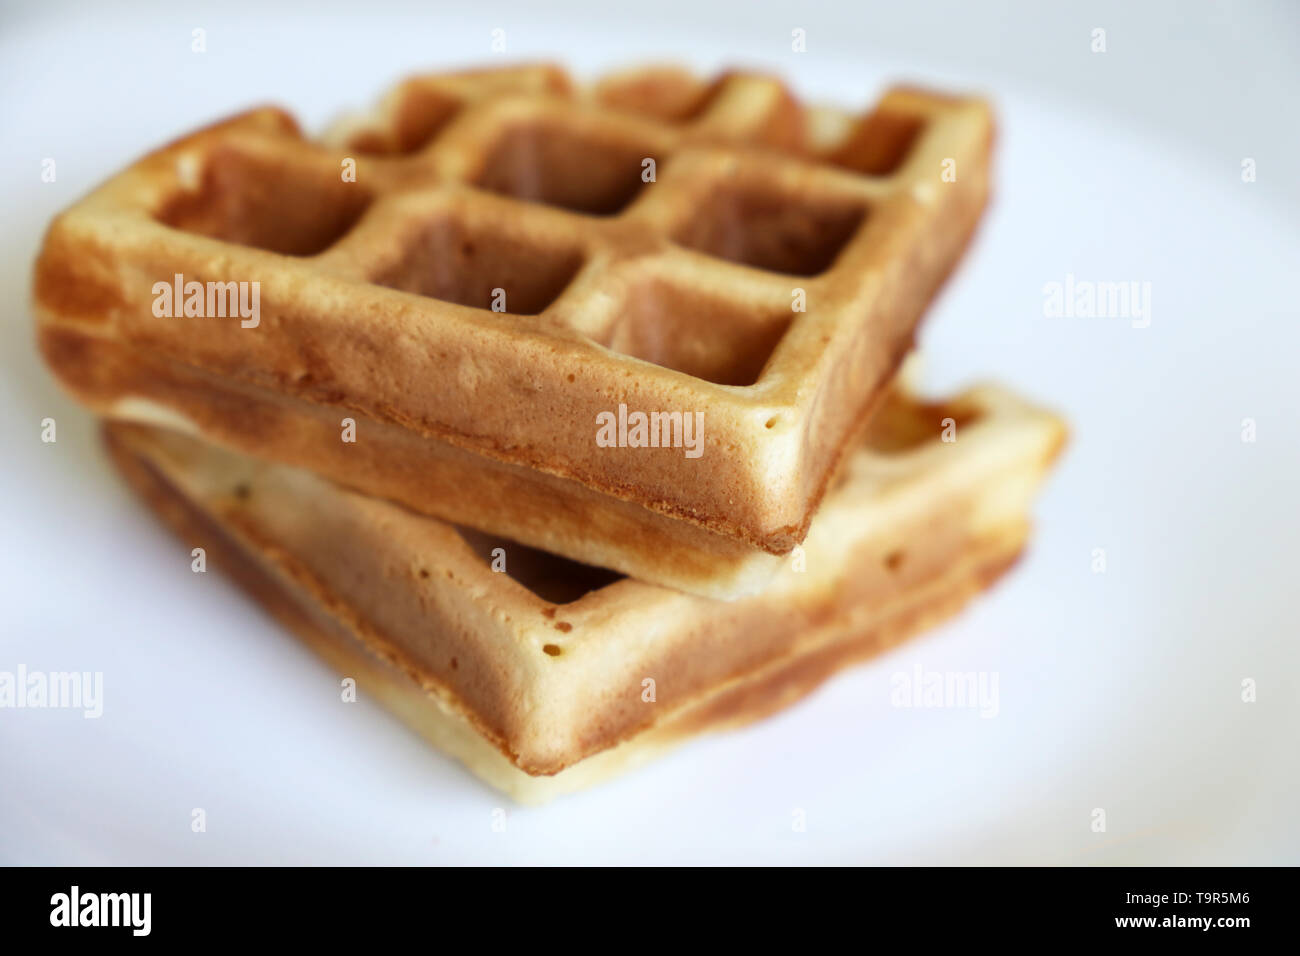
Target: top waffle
(658, 243)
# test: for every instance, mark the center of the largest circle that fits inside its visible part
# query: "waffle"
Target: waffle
(663, 297)
(535, 675)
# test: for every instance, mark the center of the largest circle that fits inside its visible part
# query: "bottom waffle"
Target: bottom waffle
(544, 676)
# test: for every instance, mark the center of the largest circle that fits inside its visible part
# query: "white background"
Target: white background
(1118, 691)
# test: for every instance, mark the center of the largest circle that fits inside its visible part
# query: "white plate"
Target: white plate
(1120, 691)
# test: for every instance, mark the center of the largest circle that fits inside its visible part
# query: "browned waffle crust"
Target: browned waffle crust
(668, 296)
(540, 671)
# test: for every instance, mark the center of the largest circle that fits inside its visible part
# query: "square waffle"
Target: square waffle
(543, 675)
(517, 188)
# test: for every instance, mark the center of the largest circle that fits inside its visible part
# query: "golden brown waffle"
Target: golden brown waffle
(669, 296)
(540, 671)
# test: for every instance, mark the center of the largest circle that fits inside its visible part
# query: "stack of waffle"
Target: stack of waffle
(566, 420)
